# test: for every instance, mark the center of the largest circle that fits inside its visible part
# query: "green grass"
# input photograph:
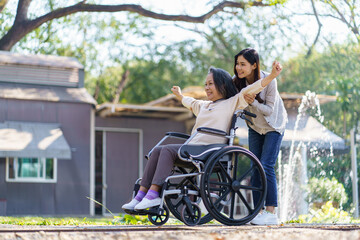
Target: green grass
(123, 219)
(75, 221)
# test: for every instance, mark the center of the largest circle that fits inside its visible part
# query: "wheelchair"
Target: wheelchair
(219, 184)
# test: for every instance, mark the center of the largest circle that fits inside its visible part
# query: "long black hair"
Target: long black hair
(223, 82)
(252, 57)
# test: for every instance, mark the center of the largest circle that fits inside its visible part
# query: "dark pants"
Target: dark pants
(266, 149)
(160, 164)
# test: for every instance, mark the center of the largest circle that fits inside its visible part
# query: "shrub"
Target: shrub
(322, 190)
(327, 214)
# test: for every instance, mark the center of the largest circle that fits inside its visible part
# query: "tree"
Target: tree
(333, 72)
(342, 10)
(23, 25)
(186, 63)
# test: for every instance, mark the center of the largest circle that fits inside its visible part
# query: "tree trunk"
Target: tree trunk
(122, 84)
(15, 34)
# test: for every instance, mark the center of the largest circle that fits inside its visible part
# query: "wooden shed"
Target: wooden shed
(46, 127)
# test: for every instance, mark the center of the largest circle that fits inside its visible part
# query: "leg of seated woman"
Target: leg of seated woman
(150, 169)
(167, 158)
(146, 179)
(165, 164)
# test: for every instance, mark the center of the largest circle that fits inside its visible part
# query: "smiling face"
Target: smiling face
(211, 91)
(244, 69)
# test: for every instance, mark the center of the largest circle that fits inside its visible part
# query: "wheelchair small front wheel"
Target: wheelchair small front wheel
(191, 217)
(159, 219)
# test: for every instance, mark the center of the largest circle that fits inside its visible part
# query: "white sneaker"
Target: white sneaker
(265, 218)
(147, 203)
(130, 205)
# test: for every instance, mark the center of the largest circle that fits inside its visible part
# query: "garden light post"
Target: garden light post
(354, 173)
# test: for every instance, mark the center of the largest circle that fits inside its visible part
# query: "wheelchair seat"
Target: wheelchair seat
(199, 152)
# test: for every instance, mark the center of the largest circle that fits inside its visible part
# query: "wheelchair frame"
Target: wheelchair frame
(200, 186)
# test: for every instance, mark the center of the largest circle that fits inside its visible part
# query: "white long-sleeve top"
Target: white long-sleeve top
(217, 114)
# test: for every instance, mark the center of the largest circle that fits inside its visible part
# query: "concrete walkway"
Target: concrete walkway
(181, 232)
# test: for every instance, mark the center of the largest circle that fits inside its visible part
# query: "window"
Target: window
(31, 169)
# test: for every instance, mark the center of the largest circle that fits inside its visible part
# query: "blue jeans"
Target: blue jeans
(266, 149)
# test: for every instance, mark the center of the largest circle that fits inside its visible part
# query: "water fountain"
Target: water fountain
(292, 169)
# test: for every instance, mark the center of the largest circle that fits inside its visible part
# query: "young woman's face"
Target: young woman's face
(212, 93)
(243, 68)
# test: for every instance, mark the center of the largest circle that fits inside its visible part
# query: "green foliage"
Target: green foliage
(133, 220)
(148, 80)
(274, 2)
(327, 214)
(337, 167)
(336, 71)
(186, 63)
(321, 190)
(56, 221)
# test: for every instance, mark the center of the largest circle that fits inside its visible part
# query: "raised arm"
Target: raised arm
(177, 92)
(276, 70)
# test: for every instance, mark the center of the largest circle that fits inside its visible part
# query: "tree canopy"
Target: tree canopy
(24, 24)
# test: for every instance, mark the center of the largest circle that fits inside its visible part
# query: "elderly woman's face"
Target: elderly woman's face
(210, 89)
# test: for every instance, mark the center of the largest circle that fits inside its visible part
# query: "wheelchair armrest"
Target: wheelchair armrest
(178, 135)
(211, 131)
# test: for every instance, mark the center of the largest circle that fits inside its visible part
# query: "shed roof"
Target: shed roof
(133, 110)
(45, 93)
(39, 60)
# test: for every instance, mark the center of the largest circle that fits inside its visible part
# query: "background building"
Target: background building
(45, 132)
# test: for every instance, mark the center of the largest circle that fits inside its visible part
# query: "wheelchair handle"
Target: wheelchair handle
(249, 114)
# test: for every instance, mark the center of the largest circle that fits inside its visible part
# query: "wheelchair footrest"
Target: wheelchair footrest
(154, 211)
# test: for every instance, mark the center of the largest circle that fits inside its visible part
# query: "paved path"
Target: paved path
(177, 232)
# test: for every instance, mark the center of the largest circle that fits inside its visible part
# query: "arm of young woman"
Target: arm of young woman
(275, 71)
(267, 107)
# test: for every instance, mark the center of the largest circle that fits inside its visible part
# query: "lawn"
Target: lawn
(75, 221)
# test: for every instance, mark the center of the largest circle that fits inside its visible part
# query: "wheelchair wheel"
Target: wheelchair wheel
(236, 191)
(161, 219)
(175, 203)
(191, 217)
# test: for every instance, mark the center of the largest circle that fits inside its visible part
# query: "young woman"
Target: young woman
(266, 134)
(214, 113)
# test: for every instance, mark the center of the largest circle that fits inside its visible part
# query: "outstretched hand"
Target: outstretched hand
(177, 92)
(276, 69)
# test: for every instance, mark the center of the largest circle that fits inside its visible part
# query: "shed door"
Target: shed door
(120, 168)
